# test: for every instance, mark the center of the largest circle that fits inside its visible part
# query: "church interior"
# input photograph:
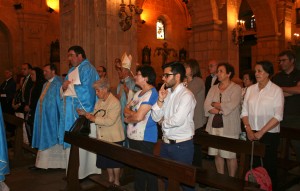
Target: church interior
(240, 32)
(154, 32)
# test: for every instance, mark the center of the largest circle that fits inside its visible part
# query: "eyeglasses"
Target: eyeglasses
(282, 60)
(166, 75)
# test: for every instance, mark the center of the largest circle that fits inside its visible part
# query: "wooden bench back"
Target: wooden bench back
(242, 148)
(287, 134)
(19, 158)
(175, 172)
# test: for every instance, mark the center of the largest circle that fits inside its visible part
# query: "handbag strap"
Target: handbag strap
(251, 162)
(104, 112)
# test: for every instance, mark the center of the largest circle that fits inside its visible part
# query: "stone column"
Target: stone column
(94, 25)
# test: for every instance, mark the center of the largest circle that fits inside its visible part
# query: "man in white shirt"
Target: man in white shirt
(175, 108)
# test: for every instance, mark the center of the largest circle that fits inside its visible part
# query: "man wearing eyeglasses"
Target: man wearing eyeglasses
(175, 107)
(289, 80)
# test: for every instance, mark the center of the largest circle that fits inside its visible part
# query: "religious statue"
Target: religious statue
(146, 59)
(54, 51)
(165, 52)
(182, 54)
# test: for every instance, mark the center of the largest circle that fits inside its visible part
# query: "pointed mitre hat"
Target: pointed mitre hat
(126, 61)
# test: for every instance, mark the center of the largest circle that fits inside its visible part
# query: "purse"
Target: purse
(81, 126)
(259, 174)
(217, 121)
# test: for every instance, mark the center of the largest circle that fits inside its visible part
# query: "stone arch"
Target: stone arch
(183, 8)
(266, 21)
(204, 11)
(14, 36)
(5, 47)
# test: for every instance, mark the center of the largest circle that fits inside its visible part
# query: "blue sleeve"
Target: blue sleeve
(153, 98)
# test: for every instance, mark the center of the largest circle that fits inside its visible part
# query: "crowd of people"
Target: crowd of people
(182, 106)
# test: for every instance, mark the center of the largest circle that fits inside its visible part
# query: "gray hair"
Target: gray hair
(102, 83)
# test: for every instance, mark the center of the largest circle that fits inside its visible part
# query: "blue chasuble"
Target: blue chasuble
(123, 99)
(47, 117)
(4, 168)
(86, 96)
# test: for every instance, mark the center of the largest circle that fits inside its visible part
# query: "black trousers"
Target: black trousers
(271, 141)
(144, 180)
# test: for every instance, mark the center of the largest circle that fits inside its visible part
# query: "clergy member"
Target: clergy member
(78, 93)
(126, 87)
(46, 123)
(4, 168)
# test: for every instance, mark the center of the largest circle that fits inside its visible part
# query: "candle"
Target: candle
(129, 2)
(122, 1)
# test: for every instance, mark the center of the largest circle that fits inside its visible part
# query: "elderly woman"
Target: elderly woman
(248, 80)
(141, 129)
(197, 87)
(223, 103)
(107, 117)
(262, 111)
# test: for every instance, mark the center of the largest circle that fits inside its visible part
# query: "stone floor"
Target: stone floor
(24, 179)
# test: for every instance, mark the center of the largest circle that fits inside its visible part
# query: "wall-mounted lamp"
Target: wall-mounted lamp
(18, 6)
(297, 39)
(143, 22)
(126, 16)
(53, 5)
(238, 32)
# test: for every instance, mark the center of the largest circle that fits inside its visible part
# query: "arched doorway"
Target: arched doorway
(249, 37)
(5, 62)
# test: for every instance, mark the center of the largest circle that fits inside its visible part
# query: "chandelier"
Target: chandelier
(238, 32)
(126, 15)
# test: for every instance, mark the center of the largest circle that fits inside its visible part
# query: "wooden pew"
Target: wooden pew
(242, 148)
(287, 135)
(19, 158)
(176, 173)
(285, 164)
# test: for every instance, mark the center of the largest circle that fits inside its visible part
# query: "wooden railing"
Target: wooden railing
(242, 148)
(176, 173)
(19, 158)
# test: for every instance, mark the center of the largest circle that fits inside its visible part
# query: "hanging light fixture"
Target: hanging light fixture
(126, 15)
(53, 5)
(238, 32)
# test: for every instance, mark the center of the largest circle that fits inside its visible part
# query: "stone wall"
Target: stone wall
(26, 34)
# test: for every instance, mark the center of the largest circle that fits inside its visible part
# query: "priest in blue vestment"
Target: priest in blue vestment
(78, 93)
(4, 168)
(46, 123)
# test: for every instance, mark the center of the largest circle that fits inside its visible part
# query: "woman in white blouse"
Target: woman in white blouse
(261, 113)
